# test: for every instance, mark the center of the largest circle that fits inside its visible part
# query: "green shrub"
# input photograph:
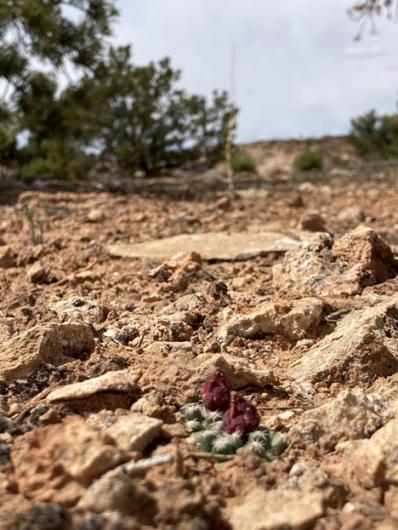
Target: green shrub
(242, 161)
(308, 160)
(375, 137)
(55, 159)
(7, 144)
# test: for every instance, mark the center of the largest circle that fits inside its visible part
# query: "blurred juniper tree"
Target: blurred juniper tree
(109, 107)
(144, 120)
(52, 35)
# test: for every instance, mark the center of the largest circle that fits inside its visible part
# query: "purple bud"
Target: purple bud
(216, 392)
(241, 416)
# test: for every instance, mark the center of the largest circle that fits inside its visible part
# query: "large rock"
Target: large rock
(37, 273)
(277, 510)
(57, 462)
(374, 462)
(305, 268)
(54, 345)
(115, 491)
(238, 371)
(351, 415)
(211, 246)
(7, 258)
(318, 266)
(134, 431)
(115, 381)
(290, 319)
(363, 346)
(88, 311)
(366, 257)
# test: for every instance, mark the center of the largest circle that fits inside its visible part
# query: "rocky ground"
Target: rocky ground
(99, 354)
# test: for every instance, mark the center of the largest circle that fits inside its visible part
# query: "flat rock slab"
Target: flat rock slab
(114, 381)
(212, 246)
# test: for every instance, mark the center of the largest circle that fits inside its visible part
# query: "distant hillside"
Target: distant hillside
(275, 157)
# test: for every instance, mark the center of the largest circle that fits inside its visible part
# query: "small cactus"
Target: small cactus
(192, 411)
(212, 418)
(216, 426)
(257, 448)
(238, 427)
(194, 426)
(205, 440)
(277, 443)
(265, 444)
(227, 444)
(241, 416)
(261, 434)
(216, 392)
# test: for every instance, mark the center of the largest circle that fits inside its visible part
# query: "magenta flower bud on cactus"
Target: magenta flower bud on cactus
(216, 392)
(241, 416)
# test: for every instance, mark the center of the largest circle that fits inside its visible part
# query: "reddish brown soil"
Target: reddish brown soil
(199, 492)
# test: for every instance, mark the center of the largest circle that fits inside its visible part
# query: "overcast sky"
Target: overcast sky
(297, 69)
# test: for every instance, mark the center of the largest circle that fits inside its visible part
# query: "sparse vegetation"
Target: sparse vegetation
(375, 137)
(242, 161)
(309, 160)
(36, 225)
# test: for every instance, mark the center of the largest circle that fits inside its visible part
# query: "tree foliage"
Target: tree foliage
(54, 31)
(364, 11)
(138, 116)
(375, 137)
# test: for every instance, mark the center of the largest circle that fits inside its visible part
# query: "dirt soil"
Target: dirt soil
(163, 325)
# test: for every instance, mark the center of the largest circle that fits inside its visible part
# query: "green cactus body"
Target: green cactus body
(213, 418)
(205, 440)
(261, 435)
(277, 443)
(207, 432)
(266, 444)
(191, 412)
(193, 426)
(227, 444)
(257, 448)
(217, 426)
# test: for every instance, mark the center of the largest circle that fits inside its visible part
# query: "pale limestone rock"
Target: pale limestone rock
(363, 346)
(88, 311)
(114, 381)
(349, 416)
(351, 216)
(134, 431)
(115, 491)
(238, 371)
(37, 273)
(374, 462)
(305, 267)
(277, 510)
(321, 266)
(290, 319)
(391, 501)
(96, 216)
(56, 463)
(211, 246)
(53, 344)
